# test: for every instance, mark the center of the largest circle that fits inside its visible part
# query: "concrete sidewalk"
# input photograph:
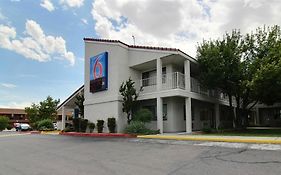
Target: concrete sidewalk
(233, 139)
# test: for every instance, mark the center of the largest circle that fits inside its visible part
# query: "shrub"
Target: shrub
(91, 126)
(84, 124)
(111, 124)
(100, 125)
(207, 130)
(138, 127)
(9, 127)
(45, 125)
(68, 129)
(143, 115)
(80, 125)
(4, 122)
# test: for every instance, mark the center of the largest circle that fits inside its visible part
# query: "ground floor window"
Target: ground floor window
(153, 110)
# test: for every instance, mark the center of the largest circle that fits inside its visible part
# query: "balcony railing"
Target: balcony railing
(175, 80)
(198, 88)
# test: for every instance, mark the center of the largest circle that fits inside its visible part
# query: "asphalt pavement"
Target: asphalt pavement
(55, 154)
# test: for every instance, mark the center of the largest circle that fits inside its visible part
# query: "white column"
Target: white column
(62, 118)
(188, 115)
(217, 113)
(159, 74)
(160, 114)
(187, 74)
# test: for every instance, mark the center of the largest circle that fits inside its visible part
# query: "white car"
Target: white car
(24, 127)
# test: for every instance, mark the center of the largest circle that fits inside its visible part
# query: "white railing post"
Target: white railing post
(159, 74)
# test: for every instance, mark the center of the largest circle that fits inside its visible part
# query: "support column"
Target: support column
(62, 118)
(159, 74)
(188, 115)
(160, 114)
(217, 113)
(187, 75)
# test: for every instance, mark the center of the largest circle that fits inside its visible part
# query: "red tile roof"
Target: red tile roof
(137, 47)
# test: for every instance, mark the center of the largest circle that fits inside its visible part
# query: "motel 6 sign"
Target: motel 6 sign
(99, 72)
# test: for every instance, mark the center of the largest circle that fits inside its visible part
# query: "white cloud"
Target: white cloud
(72, 3)
(84, 21)
(47, 4)
(180, 23)
(35, 44)
(8, 85)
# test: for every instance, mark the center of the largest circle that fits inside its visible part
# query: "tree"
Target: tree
(79, 102)
(247, 67)
(129, 96)
(4, 122)
(32, 113)
(46, 109)
(219, 64)
(267, 55)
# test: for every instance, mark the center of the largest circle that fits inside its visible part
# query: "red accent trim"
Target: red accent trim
(119, 135)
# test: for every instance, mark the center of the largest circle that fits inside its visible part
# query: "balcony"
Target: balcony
(198, 88)
(173, 80)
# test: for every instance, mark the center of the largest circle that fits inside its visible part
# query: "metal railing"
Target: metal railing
(198, 88)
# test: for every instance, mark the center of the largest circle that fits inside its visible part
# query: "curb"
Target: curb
(232, 140)
(110, 135)
(35, 132)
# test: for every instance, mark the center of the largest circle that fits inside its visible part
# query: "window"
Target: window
(153, 110)
(165, 113)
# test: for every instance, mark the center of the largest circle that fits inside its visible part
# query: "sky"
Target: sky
(42, 48)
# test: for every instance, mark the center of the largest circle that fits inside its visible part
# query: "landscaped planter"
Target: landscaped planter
(113, 135)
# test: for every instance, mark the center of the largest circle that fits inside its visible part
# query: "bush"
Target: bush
(138, 127)
(80, 124)
(100, 125)
(68, 129)
(111, 124)
(84, 124)
(9, 127)
(4, 122)
(143, 115)
(45, 125)
(91, 126)
(207, 130)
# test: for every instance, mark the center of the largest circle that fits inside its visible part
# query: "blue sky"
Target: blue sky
(23, 80)
(42, 48)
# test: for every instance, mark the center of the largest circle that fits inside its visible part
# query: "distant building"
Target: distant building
(15, 115)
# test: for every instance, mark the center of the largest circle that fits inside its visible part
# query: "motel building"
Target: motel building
(170, 89)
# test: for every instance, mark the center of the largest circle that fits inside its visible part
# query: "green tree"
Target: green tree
(79, 102)
(46, 109)
(4, 122)
(129, 95)
(246, 67)
(219, 64)
(32, 114)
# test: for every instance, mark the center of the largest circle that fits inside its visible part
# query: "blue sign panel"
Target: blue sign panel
(99, 72)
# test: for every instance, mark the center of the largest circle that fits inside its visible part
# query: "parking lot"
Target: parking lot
(48, 154)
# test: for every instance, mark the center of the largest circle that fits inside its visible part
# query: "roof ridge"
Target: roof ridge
(139, 46)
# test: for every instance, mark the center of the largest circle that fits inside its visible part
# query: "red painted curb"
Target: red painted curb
(35, 132)
(114, 135)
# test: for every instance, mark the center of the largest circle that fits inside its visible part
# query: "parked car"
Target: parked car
(25, 127)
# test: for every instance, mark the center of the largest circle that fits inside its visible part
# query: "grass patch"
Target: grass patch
(251, 132)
